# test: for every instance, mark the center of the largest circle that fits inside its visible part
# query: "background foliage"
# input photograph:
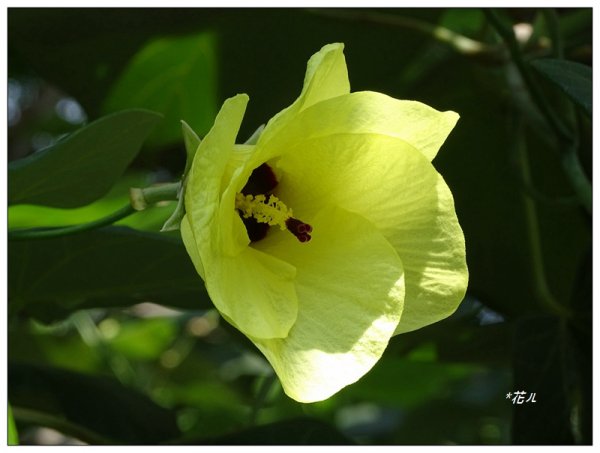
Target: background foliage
(112, 338)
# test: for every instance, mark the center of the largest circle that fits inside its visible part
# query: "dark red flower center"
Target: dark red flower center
(263, 181)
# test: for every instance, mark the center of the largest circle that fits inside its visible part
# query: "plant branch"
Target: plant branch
(142, 198)
(458, 42)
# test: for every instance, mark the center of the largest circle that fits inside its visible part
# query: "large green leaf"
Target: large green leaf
(83, 166)
(575, 79)
(32, 216)
(174, 76)
(93, 409)
(103, 268)
(93, 45)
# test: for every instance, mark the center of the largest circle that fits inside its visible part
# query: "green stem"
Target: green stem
(35, 233)
(142, 198)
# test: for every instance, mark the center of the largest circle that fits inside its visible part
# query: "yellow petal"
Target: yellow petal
(367, 112)
(433, 246)
(350, 290)
(205, 180)
(326, 77)
(191, 246)
(395, 187)
(255, 291)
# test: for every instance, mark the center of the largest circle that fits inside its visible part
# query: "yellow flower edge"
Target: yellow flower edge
(387, 253)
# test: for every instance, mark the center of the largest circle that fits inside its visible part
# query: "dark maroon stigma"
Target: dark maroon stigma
(261, 181)
(299, 229)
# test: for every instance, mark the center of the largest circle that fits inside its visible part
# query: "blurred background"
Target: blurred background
(111, 337)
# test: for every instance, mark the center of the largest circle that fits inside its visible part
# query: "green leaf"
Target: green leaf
(111, 267)
(41, 37)
(302, 431)
(31, 216)
(574, 79)
(83, 166)
(175, 76)
(93, 409)
(13, 435)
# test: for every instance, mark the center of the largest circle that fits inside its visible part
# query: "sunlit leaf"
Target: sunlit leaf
(83, 166)
(175, 76)
(31, 216)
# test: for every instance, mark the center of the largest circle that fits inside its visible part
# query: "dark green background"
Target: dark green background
(83, 362)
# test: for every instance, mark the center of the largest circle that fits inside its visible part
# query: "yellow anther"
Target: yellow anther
(273, 212)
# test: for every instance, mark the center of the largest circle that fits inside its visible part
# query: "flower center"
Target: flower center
(259, 212)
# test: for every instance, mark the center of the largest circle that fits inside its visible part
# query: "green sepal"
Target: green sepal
(191, 141)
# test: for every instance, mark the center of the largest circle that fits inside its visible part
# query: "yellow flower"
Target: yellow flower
(330, 234)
